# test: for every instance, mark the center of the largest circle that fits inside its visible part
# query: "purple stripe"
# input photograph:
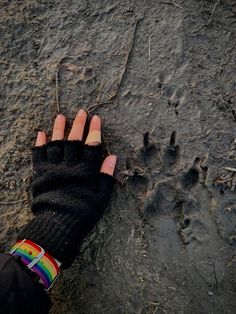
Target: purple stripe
(36, 268)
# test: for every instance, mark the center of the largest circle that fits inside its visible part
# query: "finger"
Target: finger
(59, 128)
(41, 139)
(77, 130)
(94, 135)
(109, 165)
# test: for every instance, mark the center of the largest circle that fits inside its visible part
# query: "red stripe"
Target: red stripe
(34, 245)
(52, 260)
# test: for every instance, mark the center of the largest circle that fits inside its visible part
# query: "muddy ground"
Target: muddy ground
(167, 242)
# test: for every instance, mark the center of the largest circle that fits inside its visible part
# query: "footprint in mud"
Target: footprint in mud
(176, 99)
(172, 195)
(148, 149)
(160, 80)
(171, 154)
(191, 177)
(162, 199)
(186, 198)
(224, 186)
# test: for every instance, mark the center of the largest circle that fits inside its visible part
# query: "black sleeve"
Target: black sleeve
(19, 290)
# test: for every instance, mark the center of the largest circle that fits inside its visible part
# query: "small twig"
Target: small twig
(44, 37)
(230, 169)
(14, 202)
(222, 181)
(214, 272)
(153, 303)
(57, 80)
(99, 90)
(177, 5)
(8, 214)
(213, 11)
(96, 105)
(149, 48)
(121, 76)
(126, 60)
(172, 3)
(57, 88)
(41, 44)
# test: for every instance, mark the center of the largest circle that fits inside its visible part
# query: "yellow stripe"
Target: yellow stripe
(44, 261)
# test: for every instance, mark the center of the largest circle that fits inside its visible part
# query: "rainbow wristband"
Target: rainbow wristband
(37, 260)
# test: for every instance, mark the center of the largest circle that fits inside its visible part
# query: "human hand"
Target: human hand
(71, 187)
(76, 133)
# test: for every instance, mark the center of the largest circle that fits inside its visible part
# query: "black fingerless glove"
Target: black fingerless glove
(69, 196)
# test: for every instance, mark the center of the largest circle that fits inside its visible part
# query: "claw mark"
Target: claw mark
(190, 178)
(173, 139)
(185, 223)
(172, 151)
(160, 80)
(148, 147)
(176, 99)
(147, 144)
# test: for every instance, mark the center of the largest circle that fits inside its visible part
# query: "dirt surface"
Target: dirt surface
(167, 242)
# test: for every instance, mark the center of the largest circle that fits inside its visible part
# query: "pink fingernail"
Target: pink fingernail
(112, 161)
(60, 116)
(81, 112)
(95, 117)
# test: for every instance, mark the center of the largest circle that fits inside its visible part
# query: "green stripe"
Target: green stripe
(39, 263)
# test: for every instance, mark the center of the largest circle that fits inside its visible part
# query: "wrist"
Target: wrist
(38, 261)
(58, 233)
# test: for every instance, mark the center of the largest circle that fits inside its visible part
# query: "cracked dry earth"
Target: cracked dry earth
(162, 76)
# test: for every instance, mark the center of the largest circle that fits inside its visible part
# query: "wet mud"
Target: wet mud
(162, 76)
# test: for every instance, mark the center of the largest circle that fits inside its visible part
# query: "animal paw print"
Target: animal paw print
(187, 196)
(224, 186)
(175, 193)
(198, 208)
(176, 99)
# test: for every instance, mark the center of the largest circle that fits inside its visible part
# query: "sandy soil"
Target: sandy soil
(167, 243)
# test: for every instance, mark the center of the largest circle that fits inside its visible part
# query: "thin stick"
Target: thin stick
(177, 5)
(41, 44)
(99, 104)
(13, 202)
(230, 169)
(57, 80)
(172, 3)
(99, 90)
(126, 60)
(213, 11)
(149, 48)
(57, 88)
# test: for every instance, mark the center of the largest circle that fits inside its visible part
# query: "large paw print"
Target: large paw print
(173, 191)
(198, 207)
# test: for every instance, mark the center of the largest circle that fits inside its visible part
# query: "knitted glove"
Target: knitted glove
(69, 196)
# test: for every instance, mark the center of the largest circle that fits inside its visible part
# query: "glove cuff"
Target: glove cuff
(57, 233)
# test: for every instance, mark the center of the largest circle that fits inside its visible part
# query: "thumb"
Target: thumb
(109, 165)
